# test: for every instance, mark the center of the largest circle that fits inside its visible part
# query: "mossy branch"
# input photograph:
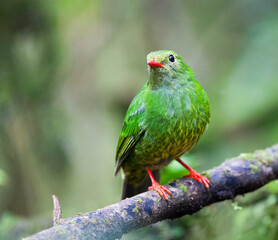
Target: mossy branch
(236, 176)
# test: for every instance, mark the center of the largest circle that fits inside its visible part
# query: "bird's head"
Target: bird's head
(165, 66)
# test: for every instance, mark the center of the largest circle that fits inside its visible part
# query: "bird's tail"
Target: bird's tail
(130, 190)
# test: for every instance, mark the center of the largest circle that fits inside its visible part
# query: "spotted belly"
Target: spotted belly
(157, 150)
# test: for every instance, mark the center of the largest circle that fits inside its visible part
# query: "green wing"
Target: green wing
(133, 129)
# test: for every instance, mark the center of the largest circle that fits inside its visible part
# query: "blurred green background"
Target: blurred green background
(68, 71)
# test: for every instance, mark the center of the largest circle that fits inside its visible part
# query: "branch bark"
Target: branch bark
(236, 176)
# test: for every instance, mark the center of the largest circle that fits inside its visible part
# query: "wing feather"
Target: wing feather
(133, 129)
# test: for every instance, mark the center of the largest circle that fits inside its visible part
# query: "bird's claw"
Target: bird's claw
(198, 177)
(160, 189)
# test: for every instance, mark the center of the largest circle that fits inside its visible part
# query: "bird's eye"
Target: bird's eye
(171, 58)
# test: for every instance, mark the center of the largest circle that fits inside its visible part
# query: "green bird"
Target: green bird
(165, 120)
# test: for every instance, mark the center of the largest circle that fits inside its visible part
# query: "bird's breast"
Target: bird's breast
(174, 125)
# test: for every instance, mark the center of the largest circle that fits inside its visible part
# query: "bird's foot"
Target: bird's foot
(198, 177)
(193, 174)
(160, 189)
(157, 187)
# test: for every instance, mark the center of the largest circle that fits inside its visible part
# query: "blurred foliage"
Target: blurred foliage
(31, 125)
(13, 227)
(68, 71)
(3, 177)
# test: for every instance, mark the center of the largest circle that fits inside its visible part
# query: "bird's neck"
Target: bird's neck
(157, 81)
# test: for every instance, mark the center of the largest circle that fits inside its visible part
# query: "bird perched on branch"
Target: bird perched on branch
(165, 120)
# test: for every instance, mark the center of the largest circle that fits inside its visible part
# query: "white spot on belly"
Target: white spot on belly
(188, 103)
(171, 111)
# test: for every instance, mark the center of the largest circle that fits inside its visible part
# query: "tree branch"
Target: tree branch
(239, 175)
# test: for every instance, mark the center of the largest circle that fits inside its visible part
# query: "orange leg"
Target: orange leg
(157, 187)
(193, 174)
